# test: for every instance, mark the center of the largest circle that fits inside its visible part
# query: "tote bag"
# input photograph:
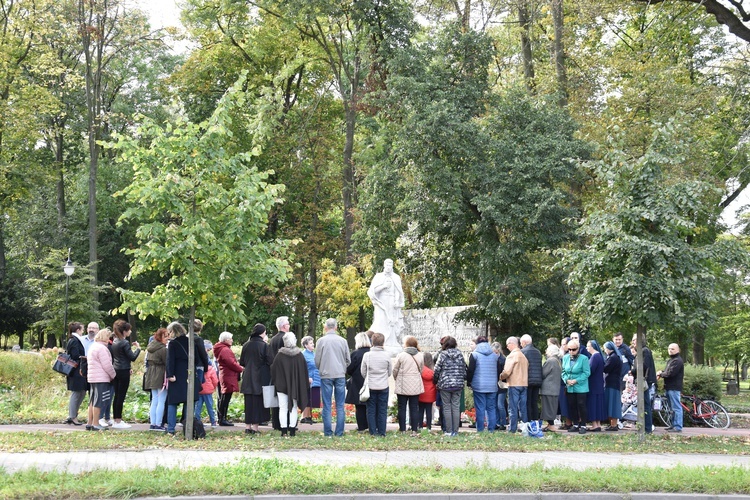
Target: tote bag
(270, 399)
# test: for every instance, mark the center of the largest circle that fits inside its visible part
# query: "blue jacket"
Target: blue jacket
(483, 375)
(312, 370)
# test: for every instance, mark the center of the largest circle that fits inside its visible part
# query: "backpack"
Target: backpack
(533, 429)
(199, 431)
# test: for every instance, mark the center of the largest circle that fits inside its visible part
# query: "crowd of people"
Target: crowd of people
(573, 387)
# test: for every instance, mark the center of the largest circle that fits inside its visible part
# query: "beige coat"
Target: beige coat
(516, 371)
(407, 373)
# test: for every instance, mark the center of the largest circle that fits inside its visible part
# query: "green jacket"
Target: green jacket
(577, 370)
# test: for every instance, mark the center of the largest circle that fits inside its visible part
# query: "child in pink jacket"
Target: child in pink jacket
(207, 395)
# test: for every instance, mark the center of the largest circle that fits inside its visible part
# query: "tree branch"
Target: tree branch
(722, 14)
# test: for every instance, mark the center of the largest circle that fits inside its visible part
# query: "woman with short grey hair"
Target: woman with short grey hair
(289, 376)
(356, 380)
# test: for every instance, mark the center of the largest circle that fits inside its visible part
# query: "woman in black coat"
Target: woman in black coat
(256, 359)
(177, 371)
(361, 346)
(77, 384)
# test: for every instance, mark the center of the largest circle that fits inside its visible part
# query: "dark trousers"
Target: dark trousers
(275, 419)
(532, 402)
(425, 415)
(361, 413)
(121, 382)
(413, 404)
(377, 411)
(577, 408)
(224, 400)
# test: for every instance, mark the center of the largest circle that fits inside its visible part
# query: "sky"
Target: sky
(161, 12)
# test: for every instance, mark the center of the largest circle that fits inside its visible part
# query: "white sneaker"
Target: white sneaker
(103, 423)
(111, 422)
(121, 425)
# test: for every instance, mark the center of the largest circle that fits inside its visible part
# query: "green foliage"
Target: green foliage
(201, 211)
(48, 285)
(702, 381)
(342, 292)
(645, 259)
(475, 187)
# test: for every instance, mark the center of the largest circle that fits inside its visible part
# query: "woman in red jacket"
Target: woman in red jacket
(229, 374)
(428, 397)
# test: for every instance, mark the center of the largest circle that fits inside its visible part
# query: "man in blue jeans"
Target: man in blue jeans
(672, 376)
(516, 375)
(332, 358)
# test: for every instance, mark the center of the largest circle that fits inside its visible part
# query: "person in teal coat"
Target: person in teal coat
(575, 375)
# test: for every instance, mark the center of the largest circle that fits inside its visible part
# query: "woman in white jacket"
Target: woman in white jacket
(376, 368)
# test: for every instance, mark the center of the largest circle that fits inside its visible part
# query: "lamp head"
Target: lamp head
(69, 267)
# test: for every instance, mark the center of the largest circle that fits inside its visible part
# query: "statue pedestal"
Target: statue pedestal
(393, 350)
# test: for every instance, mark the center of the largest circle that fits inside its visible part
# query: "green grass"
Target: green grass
(62, 441)
(272, 476)
(737, 404)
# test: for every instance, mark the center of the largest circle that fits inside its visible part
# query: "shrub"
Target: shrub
(702, 381)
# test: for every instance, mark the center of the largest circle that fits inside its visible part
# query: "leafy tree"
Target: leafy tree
(342, 293)
(48, 285)
(201, 212)
(637, 267)
(482, 190)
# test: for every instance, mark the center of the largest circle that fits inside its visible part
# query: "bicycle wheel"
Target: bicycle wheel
(665, 411)
(714, 414)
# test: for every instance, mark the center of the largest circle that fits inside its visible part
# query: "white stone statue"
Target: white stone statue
(387, 298)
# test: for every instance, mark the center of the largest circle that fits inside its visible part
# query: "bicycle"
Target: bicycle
(698, 410)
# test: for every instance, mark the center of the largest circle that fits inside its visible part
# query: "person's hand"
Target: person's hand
(172, 378)
(572, 382)
(136, 344)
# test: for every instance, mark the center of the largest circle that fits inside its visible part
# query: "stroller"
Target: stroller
(629, 401)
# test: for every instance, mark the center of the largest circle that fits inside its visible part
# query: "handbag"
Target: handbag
(270, 399)
(364, 392)
(64, 364)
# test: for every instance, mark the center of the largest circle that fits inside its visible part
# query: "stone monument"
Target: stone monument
(430, 325)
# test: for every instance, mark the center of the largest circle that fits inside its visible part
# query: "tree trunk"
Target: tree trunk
(349, 191)
(559, 53)
(640, 382)
(61, 210)
(312, 318)
(524, 21)
(2, 249)
(190, 410)
(699, 338)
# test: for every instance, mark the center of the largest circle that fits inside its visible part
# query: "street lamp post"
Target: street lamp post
(68, 268)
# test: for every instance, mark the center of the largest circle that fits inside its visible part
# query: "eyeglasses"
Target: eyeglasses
(573, 350)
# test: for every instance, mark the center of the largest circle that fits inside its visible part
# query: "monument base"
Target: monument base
(393, 350)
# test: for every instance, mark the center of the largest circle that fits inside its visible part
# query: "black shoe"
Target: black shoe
(226, 423)
(89, 427)
(472, 426)
(251, 431)
(674, 430)
(292, 431)
(70, 421)
(669, 428)
(499, 427)
(582, 430)
(573, 428)
(612, 428)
